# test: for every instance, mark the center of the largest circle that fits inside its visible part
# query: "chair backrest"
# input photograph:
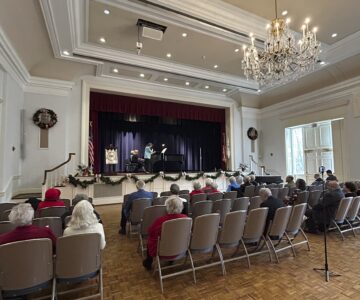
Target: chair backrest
(205, 232)
(249, 191)
(314, 197)
(255, 202)
(150, 215)
(54, 211)
(291, 191)
(5, 215)
(165, 193)
(67, 220)
(25, 264)
(222, 207)
(182, 192)
(230, 195)
(185, 196)
(354, 209)
(280, 221)
(215, 196)
(296, 218)
(67, 203)
(255, 224)
(202, 208)
(77, 255)
(54, 223)
(343, 209)
(175, 237)
(155, 194)
(160, 200)
(137, 209)
(197, 198)
(6, 206)
(275, 192)
(302, 197)
(257, 189)
(233, 228)
(241, 204)
(283, 192)
(6, 226)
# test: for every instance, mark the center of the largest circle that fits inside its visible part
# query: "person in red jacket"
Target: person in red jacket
(21, 216)
(52, 198)
(214, 188)
(197, 188)
(174, 206)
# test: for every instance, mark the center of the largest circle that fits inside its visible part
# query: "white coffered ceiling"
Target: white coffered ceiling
(43, 29)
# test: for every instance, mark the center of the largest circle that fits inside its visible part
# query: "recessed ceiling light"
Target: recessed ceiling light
(65, 52)
(102, 40)
(237, 50)
(142, 75)
(187, 83)
(224, 90)
(334, 35)
(168, 55)
(165, 79)
(106, 11)
(322, 63)
(215, 66)
(115, 70)
(184, 34)
(284, 13)
(258, 91)
(206, 86)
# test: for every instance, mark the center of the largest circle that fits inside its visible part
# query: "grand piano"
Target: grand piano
(167, 162)
(268, 179)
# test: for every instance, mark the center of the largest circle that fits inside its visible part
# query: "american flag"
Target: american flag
(91, 147)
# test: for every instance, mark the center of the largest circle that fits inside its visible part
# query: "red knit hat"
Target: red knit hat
(52, 195)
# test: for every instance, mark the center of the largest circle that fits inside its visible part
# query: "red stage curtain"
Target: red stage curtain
(101, 102)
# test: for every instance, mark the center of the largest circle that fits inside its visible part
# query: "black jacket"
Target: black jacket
(325, 211)
(273, 204)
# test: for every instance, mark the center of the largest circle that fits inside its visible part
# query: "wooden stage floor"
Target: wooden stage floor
(293, 278)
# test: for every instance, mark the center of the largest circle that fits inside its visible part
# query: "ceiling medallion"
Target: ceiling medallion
(284, 58)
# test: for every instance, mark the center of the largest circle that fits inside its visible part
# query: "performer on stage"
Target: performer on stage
(147, 157)
(135, 159)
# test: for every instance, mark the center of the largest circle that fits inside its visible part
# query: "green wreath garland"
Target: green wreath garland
(37, 118)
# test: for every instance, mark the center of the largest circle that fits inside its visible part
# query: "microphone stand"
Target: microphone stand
(326, 271)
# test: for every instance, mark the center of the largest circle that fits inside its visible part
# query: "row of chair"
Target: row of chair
(78, 259)
(185, 237)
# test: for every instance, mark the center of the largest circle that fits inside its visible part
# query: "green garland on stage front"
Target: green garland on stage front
(107, 180)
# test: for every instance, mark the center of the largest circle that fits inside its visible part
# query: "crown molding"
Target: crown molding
(249, 112)
(327, 97)
(46, 86)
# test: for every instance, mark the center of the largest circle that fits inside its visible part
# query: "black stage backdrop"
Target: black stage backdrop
(180, 136)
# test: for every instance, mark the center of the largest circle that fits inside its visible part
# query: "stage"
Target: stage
(107, 193)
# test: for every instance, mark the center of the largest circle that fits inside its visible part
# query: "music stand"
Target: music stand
(162, 155)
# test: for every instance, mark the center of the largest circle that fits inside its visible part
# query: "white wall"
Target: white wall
(11, 99)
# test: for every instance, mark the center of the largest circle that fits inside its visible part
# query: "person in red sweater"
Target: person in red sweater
(174, 206)
(214, 188)
(52, 198)
(21, 216)
(207, 186)
(197, 188)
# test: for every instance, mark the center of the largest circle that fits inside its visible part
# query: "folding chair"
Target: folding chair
(67, 203)
(166, 193)
(184, 192)
(215, 196)
(67, 220)
(275, 192)
(201, 208)
(54, 223)
(283, 192)
(174, 243)
(26, 267)
(255, 202)
(277, 229)
(5, 215)
(197, 198)
(6, 226)
(230, 195)
(352, 216)
(222, 207)
(136, 213)
(149, 216)
(340, 217)
(241, 204)
(185, 196)
(249, 191)
(54, 211)
(6, 206)
(314, 197)
(159, 200)
(302, 197)
(78, 259)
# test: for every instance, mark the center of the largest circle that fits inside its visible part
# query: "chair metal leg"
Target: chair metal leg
(101, 285)
(160, 274)
(53, 290)
(352, 228)
(246, 253)
(221, 258)
(267, 246)
(141, 245)
(339, 229)
(292, 245)
(273, 248)
(192, 265)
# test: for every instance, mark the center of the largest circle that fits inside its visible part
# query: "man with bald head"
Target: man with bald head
(325, 210)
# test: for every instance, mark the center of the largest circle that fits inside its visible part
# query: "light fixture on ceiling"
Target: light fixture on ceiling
(184, 34)
(283, 58)
(66, 52)
(224, 90)
(115, 70)
(237, 50)
(216, 66)
(206, 86)
(148, 30)
(322, 63)
(334, 35)
(142, 75)
(102, 40)
(259, 91)
(187, 83)
(168, 55)
(106, 12)
(165, 79)
(284, 12)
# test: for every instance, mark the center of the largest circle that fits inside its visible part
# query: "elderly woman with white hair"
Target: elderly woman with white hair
(174, 206)
(207, 186)
(197, 188)
(233, 185)
(269, 201)
(21, 216)
(83, 220)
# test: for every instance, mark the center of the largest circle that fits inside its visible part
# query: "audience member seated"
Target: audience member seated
(207, 186)
(174, 206)
(290, 182)
(253, 180)
(197, 188)
(331, 176)
(52, 198)
(233, 185)
(271, 202)
(350, 189)
(318, 180)
(322, 213)
(83, 220)
(214, 188)
(76, 200)
(21, 216)
(174, 190)
(239, 180)
(34, 202)
(300, 187)
(245, 184)
(135, 159)
(126, 207)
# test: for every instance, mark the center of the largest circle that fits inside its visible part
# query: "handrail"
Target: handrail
(57, 167)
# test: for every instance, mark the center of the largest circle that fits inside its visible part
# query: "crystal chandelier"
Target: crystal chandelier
(283, 58)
